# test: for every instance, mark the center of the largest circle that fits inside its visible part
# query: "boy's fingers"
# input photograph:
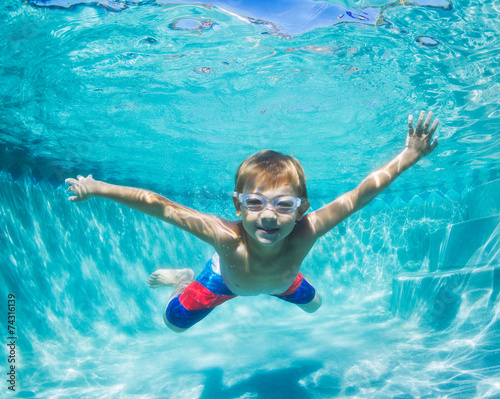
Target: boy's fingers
(427, 122)
(433, 127)
(434, 144)
(76, 198)
(410, 125)
(76, 188)
(70, 181)
(419, 123)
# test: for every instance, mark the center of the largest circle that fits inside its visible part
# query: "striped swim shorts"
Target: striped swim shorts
(209, 290)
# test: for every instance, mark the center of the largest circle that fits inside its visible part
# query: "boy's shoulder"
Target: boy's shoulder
(228, 231)
(303, 232)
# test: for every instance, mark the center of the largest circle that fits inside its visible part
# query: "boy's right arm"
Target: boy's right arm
(418, 145)
(209, 228)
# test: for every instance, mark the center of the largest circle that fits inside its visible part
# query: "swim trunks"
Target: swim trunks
(209, 290)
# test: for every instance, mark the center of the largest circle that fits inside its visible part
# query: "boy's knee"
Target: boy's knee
(171, 326)
(174, 328)
(312, 306)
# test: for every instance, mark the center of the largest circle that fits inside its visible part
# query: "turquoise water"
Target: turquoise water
(410, 283)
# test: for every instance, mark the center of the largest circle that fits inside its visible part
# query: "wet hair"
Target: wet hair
(274, 169)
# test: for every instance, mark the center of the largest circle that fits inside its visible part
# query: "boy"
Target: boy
(262, 253)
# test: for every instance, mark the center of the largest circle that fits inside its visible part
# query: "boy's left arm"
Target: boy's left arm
(418, 145)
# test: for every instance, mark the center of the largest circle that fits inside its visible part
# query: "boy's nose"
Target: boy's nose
(268, 213)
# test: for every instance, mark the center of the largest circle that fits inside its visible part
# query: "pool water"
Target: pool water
(172, 97)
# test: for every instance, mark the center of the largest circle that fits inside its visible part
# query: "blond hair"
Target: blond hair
(272, 168)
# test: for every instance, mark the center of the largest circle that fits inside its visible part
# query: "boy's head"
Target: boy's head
(273, 169)
(272, 187)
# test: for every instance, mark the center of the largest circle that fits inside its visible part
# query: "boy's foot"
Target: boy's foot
(170, 277)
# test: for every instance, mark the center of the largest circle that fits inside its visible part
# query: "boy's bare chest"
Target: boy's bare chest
(248, 275)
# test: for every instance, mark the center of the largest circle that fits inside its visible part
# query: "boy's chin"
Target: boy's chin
(267, 243)
(267, 240)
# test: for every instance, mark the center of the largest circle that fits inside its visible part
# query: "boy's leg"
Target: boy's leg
(170, 277)
(191, 300)
(178, 278)
(314, 305)
(302, 294)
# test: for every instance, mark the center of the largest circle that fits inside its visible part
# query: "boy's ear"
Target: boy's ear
(237, 205)
(302, 209)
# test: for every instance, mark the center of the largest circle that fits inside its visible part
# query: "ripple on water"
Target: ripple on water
(476, 138)
(190, 24)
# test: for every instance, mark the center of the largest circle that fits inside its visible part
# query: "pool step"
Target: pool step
(437, 298)
(464, 267)
(474, 242)
(471, 243)
(484, 200)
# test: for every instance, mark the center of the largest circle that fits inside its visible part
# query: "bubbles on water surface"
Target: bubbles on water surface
(149, 39)
(190, 24)
(427, 41)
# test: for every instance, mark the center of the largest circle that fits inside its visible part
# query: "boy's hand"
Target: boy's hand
(83, 188)
(419, 140)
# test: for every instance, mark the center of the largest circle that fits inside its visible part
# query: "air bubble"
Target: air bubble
(190, 24)
(426, 41)
(149, 39)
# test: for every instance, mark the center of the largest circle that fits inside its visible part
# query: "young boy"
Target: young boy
(261, 253)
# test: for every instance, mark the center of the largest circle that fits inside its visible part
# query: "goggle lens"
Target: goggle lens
(256, 203)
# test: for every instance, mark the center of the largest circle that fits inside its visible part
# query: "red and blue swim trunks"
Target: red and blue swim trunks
(209, 290)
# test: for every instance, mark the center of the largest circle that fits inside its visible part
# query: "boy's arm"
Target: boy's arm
(209, 228)
(418, 145)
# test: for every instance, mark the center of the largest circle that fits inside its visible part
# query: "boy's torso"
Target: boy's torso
(250, 274)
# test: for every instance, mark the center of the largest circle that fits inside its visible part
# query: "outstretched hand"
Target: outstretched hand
(419, 139)
(83, 188)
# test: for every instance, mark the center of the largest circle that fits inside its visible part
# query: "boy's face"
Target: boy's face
(267, 226)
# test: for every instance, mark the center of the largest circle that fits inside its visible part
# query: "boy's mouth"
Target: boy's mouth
(266, 230)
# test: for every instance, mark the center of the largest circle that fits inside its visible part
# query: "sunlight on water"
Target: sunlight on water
(172, 97)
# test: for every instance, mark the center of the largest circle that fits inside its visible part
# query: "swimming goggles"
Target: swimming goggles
(256, 202)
